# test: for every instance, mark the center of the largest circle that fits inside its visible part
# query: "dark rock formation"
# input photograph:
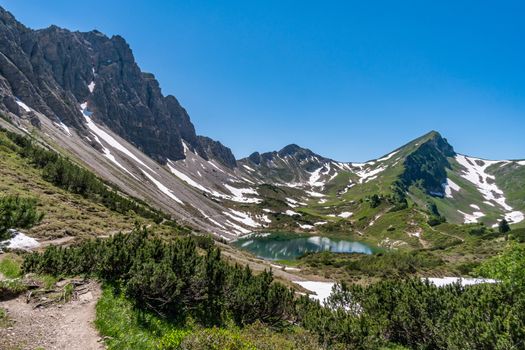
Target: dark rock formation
(216, 150)
(427, 166)
(50, 71)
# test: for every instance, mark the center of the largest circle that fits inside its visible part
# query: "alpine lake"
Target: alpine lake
(290, 246)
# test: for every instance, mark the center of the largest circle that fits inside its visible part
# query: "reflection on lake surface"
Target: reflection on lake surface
(289, 246)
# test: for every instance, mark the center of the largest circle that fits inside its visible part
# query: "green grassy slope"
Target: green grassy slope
(66, 213)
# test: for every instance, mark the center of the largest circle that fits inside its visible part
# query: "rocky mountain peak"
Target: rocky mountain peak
(54, 70)
(296, 151)
(427, 165)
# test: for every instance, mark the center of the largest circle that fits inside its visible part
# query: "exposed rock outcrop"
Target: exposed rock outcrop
(54, 70)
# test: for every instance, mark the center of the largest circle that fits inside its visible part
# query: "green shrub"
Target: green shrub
(518, 235)
(418, 315)
(216, 339)
(508, 266)
(172, 278)
(387, 264)
(17, 213)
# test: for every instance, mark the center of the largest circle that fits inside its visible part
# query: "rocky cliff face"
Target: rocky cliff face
(216, 150)
(54, 70)
(428, 164)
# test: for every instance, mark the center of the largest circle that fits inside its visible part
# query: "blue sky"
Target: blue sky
(349, 79)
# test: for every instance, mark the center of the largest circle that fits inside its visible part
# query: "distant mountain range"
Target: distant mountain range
(83, 95)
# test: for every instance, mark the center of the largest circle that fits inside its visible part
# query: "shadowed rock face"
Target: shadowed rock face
(50, 70)
(216, 150)
(428, 165)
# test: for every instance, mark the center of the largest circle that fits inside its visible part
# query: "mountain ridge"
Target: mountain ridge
(54, 70)
(83, 95)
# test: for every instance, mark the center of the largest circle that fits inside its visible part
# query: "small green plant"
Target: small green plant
(48, 281)
(4, 319)
(216, 339)
(68, 292)
(10, 268)
(11, 288)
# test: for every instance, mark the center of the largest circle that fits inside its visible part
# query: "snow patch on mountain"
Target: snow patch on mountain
(514, 216)
(215, 166)
(450, 186)
(292, 202)
(20, 241)
(188, 179)
(91, 86)
(306, 226)
(239, 194)
(368, 174)
(63, 126)
(463, 281)
(237, 228)
(315, 177)
(471, 218)
(322, 290)
(333, 176)
(216, 222)
(161, 187)
(476, 172)
(242, 217)
(387, 157)
(345, 190)
(23, 105)
(107, 153)
(315, 194)
(265, 218)
(108, 138)
(343, 166)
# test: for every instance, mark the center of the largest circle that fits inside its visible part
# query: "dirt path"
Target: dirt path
(60, 326)
(63, 241)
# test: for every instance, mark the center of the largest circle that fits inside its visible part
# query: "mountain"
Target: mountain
(83, 96)
(291, 165)
(405, 190)
(53, 71)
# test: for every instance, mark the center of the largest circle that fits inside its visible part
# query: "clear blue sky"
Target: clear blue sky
(349, 79)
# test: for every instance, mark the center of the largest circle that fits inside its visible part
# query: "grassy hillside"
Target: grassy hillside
(65, 213)
(511, 179)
